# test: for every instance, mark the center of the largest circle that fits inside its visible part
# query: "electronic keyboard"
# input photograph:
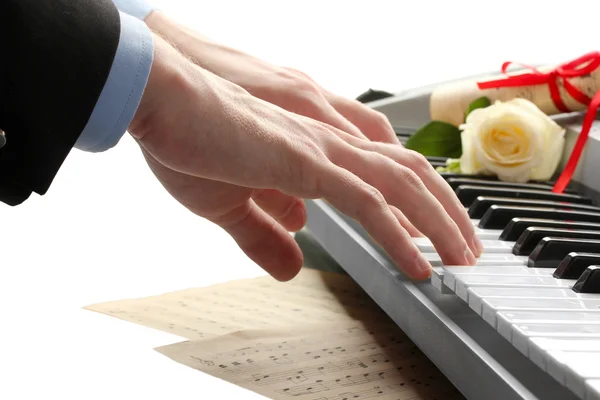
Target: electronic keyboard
(524, 323)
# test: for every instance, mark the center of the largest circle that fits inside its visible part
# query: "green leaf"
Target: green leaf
(481, 102)
(436, 139)
(452, 165)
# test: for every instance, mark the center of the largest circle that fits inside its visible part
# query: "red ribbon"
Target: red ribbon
(579, 67)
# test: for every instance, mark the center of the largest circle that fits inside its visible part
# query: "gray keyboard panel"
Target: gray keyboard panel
(475, 357)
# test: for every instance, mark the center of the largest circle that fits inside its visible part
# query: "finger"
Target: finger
(433, 182)
(289, 211)
(402, 188)
(364, 203)
(371, 123)
(263, 240)
(406, 224)
(314, 105)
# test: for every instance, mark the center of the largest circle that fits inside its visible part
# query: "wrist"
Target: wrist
(204, 52)
(165, 73)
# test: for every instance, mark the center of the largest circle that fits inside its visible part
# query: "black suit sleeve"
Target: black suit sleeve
(55, 57)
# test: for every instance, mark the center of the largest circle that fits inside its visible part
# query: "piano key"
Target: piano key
(489, 246)
(551, 251)
(533, 235)
(515, 228)
(483, 203)
(491, 306)
(589, 281)
(456, 182)
(437, 280)
(539, 347)
(486, 259)
(450, 175)
(488, 234)
(488, 178)
(437, 159)
(438, 164)
(572, 369)
(498, 217)
(451, 273)
(592, 389)
(506, 320)
(464, 282)
(468, 193)
(522, 333)
(477, 294)
(573, 265)
(533, 292)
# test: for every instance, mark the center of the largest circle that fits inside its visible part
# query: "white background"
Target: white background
(107, 230)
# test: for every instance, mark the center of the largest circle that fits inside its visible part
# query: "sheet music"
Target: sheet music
(342, 361)
(312, 297)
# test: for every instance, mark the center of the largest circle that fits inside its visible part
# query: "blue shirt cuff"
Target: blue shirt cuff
(123, 89)
(137, 8)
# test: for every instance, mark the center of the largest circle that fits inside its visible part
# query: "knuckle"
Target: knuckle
(380, 118)
(417, 162)
(409, 178)
(371, 198)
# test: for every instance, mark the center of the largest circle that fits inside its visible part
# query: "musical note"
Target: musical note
(373, 365)
(312, 297)
(318, 336)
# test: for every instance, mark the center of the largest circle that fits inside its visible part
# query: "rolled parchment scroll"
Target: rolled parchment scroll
(450, 101)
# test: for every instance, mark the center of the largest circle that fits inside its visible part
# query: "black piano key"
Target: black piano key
(589, 281)
(573, 265)
(436, 159)
(450, 175)
(456, 182)
(517, 226)
(436, 164)
(483, 203)
(551, 251)
(372, 95)
(468, 193)
(532, 236)
(404, 130)
(498, 217)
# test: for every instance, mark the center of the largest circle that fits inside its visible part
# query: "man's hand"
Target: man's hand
(245, 164)
(289, 89)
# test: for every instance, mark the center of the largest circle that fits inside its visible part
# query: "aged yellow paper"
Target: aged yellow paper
(449, 101)
(342, 361)
(312, 297)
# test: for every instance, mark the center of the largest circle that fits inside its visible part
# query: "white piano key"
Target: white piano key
(506, 320)
(489, 246)
(464, 282)
(487, 234)
(486, 259)
(437, 280)
(476, 294)
(540, 346)
(529, 291)
(450, 273)
(572, 369)
(523, 332)
(493, 305)
(592, 389)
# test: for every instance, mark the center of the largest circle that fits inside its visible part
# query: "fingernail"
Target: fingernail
(469, 257)
(422, 264)
(476, 245)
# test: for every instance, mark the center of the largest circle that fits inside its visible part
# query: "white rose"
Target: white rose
(514, 140)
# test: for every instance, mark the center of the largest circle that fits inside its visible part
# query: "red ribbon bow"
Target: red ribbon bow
(579, 67)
